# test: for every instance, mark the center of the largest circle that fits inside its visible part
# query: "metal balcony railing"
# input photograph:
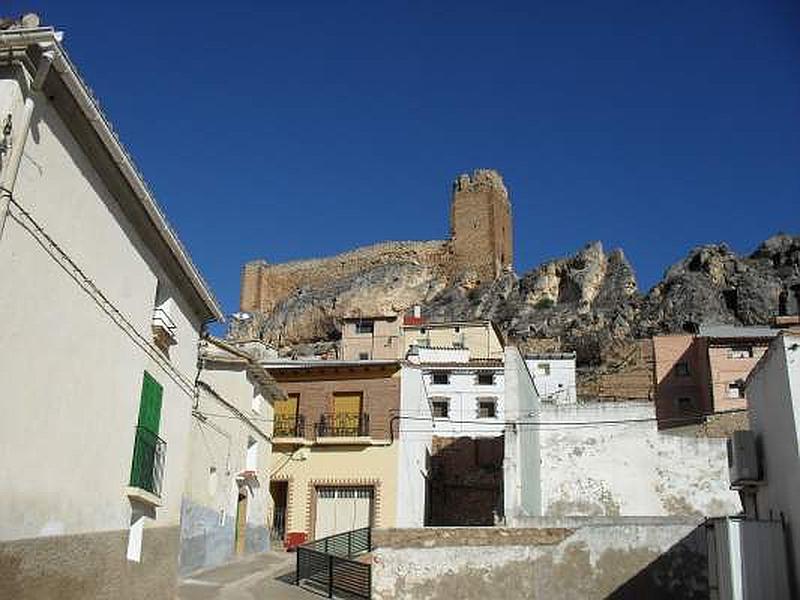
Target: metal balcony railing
(343, 425)
(147, 470)
(293, 426)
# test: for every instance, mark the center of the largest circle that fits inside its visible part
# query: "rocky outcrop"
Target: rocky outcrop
(588, 303)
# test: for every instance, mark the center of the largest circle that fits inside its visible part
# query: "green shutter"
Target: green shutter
(150, 404)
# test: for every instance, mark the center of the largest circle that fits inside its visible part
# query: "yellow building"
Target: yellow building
(481, 338)
(334, 459)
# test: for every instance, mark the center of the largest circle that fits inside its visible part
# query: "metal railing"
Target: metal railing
(147, 470)
(343, 425)
(289, 426)
(329, 563)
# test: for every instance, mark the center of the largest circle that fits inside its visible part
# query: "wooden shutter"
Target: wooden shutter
(150, 404)
(347, 404)
(288, 407)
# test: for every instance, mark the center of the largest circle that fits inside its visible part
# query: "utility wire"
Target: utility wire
(60, 256)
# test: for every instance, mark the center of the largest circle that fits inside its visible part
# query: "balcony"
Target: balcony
(289, 426)
(147, 470)
(343, 425)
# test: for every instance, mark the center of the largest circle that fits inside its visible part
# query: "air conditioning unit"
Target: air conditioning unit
(743, 465)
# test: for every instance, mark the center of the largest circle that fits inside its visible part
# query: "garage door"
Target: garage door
(341, 509)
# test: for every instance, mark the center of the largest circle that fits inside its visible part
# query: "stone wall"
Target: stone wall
(265, 285)
(617, 558)
(481, 228)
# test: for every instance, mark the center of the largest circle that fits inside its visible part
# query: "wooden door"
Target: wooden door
(241, 523)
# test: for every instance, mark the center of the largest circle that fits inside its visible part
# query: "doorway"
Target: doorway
(241, 523)
(279, 492)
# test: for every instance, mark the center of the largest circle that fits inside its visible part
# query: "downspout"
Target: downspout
(8, 178)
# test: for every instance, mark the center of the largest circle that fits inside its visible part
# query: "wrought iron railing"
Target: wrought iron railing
(343, 425)
(329, 563)
(147, 470)
(289, 426)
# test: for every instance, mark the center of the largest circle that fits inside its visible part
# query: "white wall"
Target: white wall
(591, 467)
(559, 384)
(71, 378)
(773, 396)
(521, 462)
(414, 448)
(464, 393)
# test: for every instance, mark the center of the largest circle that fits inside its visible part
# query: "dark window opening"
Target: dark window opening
(487, 409)
(440, 408)
(485, 378)
(365, 327)
(441, 377)
(682, 369)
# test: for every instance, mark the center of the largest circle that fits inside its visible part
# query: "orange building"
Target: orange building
(702, 374)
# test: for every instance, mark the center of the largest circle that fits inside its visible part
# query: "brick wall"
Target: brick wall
(466, 480)
(380, 389)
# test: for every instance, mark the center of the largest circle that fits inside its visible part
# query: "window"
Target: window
(735, 390)
(441, 377)
(365, 327)
(487, 408)
(740, 352)
(363, 356)
(485, 378)
(252, 454)
(685, 404)
(543, 368)
(682, 369)
(440, 408)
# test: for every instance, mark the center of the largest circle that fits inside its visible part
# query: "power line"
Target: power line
(66, 263)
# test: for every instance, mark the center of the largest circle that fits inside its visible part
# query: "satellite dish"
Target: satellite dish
(241, 316)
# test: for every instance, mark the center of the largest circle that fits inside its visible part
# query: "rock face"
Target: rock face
(588, 303)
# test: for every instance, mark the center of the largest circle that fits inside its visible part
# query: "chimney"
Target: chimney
(417, 311)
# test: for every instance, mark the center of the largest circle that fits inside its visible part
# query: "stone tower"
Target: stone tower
(480, 224)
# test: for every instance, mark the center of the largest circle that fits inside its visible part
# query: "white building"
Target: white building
(554, 376)
(773, 392)
(603, 459)
(226, 510)
(100, 314)
(466, 396)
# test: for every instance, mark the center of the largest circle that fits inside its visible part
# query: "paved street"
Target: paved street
(266, 576)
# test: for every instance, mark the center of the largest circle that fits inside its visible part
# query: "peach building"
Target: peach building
(371, 338)
(702, 374)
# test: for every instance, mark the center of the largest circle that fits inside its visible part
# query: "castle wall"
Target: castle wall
(481, 228)
(265, 285)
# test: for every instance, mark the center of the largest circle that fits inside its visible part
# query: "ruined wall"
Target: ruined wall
(619, 559)
(480, 221)
(466, 480)
(265, 285)
(614, 461)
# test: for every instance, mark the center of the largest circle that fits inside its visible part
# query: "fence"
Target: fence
(328, 563)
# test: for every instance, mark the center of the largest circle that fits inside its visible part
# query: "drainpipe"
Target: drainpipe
(8, 178)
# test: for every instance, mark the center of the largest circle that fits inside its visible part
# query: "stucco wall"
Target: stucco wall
(414, 449)
(599, 466)
(306, 467)
(622, 559)
(522, 454)
(774, 396)
(463, 393)
(385, 341)
(554, 379)
(218, 453)
(73, 381)
(480, 339)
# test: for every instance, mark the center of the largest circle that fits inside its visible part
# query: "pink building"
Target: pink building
(702, 374)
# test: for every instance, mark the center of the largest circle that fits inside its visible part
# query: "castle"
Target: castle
(480, 246)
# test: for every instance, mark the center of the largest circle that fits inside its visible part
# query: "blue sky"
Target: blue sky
(300, 129)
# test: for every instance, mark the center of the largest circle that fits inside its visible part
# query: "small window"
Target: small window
(441, 377)
(735, 390)
(363, 356)
(440, 408)
(682, 369)
(487, 409)
(365, 327)
(543, 368)
(485, 378)
(740, 352)
(685, 404)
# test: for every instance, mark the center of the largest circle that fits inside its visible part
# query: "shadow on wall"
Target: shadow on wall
(680, 398)
(466, 483)
(680, 572)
